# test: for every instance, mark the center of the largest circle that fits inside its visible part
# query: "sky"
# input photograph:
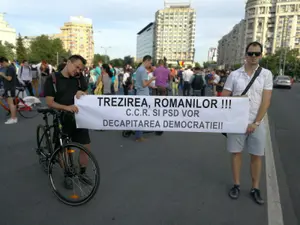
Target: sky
(117, 22)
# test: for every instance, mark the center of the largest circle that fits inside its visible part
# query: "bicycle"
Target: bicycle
(59, 149)
(26, 107)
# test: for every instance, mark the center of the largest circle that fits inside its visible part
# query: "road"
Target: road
(285, 123)
(164, 181)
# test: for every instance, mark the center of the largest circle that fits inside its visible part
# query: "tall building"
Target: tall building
(175, 33)
(231, 48)
(7, 33)
(275, 24)
(77, 37)
(212, 55)
(145, 41)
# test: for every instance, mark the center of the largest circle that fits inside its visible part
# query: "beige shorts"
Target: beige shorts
(253, 143)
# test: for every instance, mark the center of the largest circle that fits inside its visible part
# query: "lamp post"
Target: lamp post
(105, 49)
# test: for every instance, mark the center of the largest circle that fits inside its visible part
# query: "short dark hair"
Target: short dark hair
(73, 58)
(24, 61)
(161, 62)
(3, 59)
(147, 58)
(254, 43)
(197, 68)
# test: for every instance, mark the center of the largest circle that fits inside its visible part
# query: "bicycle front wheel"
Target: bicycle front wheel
(74, 174)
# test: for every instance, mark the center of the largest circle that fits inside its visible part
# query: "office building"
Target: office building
(175, 33)
(77, 37)
(145, 42)
(7, 33)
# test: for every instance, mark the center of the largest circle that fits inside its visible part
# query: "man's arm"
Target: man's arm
(266, 98)
(146, 82)
(265, 104)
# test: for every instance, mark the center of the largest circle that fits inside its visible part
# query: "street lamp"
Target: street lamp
(105, 48)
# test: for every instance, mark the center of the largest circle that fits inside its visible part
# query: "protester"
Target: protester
(254, 139)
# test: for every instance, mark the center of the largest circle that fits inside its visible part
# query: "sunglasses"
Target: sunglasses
(254, 54)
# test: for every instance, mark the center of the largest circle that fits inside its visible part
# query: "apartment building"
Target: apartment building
(77, 37)
(231, 48)
(175, 33)
(145, 42)
(275, 24)
(7, 33)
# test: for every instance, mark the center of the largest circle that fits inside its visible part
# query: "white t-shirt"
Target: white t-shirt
(187, 75)
(217, 79)
(152, 84)
(125, 77)
(237, 82)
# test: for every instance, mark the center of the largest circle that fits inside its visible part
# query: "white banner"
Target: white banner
(159, 113)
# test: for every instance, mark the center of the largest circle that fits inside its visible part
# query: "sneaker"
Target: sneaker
(234, 192)
(83, 177)
(11, 121)
(140, 139)
(68, 183)
(255, 194)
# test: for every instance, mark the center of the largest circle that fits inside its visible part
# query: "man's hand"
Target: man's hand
(2, 74)
(79, 94)
(71, 108)
(251, 128)
(153, 78)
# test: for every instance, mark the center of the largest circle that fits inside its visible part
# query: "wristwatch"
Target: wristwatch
(257, 123)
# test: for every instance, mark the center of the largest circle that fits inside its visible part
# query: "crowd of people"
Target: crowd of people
(75, 79)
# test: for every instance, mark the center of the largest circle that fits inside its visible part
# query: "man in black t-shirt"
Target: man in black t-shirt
(9, 83)
(68, 84)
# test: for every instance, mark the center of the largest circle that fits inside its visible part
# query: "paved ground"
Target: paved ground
(165, 181)
(285, 123)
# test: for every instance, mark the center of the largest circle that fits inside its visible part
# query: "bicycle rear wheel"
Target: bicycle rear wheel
(44, 146)
(28, 106)
(82, 186)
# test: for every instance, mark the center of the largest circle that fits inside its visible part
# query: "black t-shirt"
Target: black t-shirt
(66, 88)
(10, 72)
(222, 80)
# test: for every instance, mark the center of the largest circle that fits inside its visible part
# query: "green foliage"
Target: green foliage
(21, 50)
(7, 50)
(197, 64)
(128, 60)
(273, 62)
(98, 58)
(45, 48)
(117, 62)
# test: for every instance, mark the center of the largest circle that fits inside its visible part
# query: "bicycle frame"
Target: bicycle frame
(16, 100)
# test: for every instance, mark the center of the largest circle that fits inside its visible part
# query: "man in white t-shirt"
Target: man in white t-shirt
(254, 138)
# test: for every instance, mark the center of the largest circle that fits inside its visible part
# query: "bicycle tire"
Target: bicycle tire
(41, 149)
(23, 114)
(97, 181)
(126, 133)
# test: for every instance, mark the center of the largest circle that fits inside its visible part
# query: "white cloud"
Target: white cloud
(119, 20)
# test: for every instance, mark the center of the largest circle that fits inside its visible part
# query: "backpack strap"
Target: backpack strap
(53, 75)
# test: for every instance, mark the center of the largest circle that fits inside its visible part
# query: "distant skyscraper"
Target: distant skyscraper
(145, 41)
(212, 55)
(77, 37)
(175, 33)
(7, 33)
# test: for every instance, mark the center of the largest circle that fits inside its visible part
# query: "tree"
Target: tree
(20, 49)
(117, 62)
(98, 58)
(197, 64)
(274, 62)
(9, 51)
(44, 48)
(128, 60)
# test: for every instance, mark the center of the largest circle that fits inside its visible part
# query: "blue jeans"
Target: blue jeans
(138, 134)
